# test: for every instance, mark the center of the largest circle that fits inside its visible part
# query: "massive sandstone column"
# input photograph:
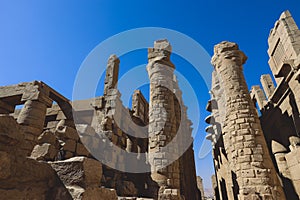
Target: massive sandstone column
(162, 121)
(188, 179)
(243, 138)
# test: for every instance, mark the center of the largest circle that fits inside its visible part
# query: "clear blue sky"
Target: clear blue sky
(48, 40)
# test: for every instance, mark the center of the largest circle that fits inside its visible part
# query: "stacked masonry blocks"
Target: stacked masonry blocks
(242, 134)
(52, 134)
(162, 121)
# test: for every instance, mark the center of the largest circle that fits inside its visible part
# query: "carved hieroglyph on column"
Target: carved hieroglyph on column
(162, 120)
(243, 138)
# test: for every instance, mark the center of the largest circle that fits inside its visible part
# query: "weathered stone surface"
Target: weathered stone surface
(267, 84)
(46, 152)
(67, 132)
(69, 145)
(112, 72)
(161, 124)
(79, 171)
(126, 188)
(10, 133)
(241, 134)
(200, 186)
(92, 193)
(5, 165)
(32, 180)
(47, 128)
(48, 137)
(29, 178)
(81, 150)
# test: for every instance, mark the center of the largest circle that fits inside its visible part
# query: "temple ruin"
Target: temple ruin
(256, 151)
(58, 139)
(54, 148)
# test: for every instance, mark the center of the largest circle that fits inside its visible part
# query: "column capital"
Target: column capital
(227, 51)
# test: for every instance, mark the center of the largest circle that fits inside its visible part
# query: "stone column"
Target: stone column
(188, 179)
(267, 84)
(258, 95)
(162, 121)
(33, 114)
(112, 73)
(32, 118)
(244, 142)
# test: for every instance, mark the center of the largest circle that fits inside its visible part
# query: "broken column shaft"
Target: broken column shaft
(243, 137)
(162, 121)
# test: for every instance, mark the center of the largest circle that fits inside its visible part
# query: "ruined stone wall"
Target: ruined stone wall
(188, 180)
(280, 111)
(278, 107)
(90, 149)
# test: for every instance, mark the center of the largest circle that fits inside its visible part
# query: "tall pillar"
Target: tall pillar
(32, 117)
(162, 121)
(244, 142)
(188, 179)
(112, 73)
(258, 95)
(267, 84)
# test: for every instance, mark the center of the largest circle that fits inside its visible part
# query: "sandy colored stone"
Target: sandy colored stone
(46, 152)
(79, 171)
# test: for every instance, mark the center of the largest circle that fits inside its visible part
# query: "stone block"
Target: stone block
(30, 179)
(81, 150)
(32, 130)
(52, 124)
(85, 129)
(5, 165)
(68, 154)
(126, 188)
(293, 158)
(91, 193)
(10, 133)
(79, 171)
(248, 173)
(27, 145)
(257, 158)
(294, 170)
(70, 145)
(44, 151)
(48, 137)
(30, 137)
(67, 132)
(33, 114)
(246, 158)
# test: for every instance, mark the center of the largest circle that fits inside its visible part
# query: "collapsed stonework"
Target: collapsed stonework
(52, 148)
(257, 157)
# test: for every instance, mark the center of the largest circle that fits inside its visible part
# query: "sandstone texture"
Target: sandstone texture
(52, 148)
(256, 150)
